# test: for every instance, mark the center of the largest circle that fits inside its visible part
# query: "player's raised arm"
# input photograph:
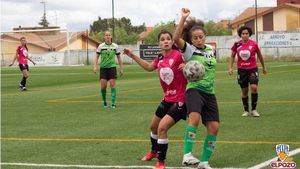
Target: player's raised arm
(178, 32)
(144, 64)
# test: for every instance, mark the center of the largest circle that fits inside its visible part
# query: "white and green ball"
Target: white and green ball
(193, 71)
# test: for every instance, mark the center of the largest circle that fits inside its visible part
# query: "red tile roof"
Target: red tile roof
(249, 13)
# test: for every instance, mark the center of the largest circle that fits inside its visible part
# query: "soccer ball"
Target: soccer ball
(193, 71)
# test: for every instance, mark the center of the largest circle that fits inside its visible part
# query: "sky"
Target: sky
(77, 15)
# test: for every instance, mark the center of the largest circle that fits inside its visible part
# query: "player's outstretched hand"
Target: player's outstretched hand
(264, 71)
(127, 51)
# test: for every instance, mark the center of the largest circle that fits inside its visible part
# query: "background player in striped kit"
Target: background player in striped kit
(108, 71)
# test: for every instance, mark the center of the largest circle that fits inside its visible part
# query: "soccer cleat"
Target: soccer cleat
(189, 159)
(113, 106)
(255, 113)
(245, 114)
(160, 165)
(204, 166)
(150, 156)
(105, 104)
(20, 86)
(23, 88)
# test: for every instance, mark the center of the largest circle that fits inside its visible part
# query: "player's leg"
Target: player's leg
(113, 90)
(210, 118)
(25, 75)
(103, 91)
(153, 139)
(194, 103)
(253, 80)
(176, 112)
(103, 81)
(112, 76)
(161, 111)
(243, 80)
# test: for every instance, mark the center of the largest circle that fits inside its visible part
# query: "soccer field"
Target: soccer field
(60, 119)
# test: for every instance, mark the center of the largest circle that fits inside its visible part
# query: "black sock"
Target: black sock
(245, 103)
(154, 143)
(162, 148)
(254, 100)
(23, 81)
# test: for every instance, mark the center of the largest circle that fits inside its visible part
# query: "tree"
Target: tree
(44, 21)
(125, 33)
(152, 36)
(216, 29)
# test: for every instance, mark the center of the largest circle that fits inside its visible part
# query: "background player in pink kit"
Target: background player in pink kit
(172, 107)
(247, 68)
(22, 56)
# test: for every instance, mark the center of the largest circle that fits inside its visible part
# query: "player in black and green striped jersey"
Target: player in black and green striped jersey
(108, 71)
(200, 95)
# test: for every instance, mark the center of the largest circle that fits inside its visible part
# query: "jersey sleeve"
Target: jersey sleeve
(233, 48)
(99, 49)
(118, 52)
(187, 51)
(155, 62)
(256, 48)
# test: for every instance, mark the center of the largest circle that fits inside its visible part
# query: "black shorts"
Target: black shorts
(176, 110)
(205, 104)
(108, 73)
(23, 67)
(247, 76)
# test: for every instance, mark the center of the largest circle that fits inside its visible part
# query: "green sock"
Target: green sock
(113, 96)
(208, 148)
(103, 92)
(189, 139)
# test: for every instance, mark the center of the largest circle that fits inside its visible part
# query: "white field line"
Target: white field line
(90, 166)
(266, 163)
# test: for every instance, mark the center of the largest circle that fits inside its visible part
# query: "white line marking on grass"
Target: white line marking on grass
(266, 163)
(90, 166)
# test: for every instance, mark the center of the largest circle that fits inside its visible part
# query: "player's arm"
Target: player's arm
(14, 59)
(30, 59)
(144, 64)
(96, 62)
(120, 63)
(231, 61)
(261, 59)
(178, 32)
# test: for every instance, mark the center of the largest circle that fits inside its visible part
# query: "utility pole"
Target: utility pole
(256, 27)
(113, 19)
(44, 2)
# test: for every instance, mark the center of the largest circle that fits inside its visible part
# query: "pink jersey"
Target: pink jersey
(23, 54)
(171, 78)
(246, 54)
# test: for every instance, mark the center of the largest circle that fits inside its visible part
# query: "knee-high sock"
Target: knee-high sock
(208, 148)
(189, 138)
(153, 138)
(113, 95)
(162, 148)
(254, 100)
(103, 93)
(245, 103)
(23, 81)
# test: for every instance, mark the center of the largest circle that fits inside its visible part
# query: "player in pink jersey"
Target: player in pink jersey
(22, 56)
(246, 51)
(172, 108)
